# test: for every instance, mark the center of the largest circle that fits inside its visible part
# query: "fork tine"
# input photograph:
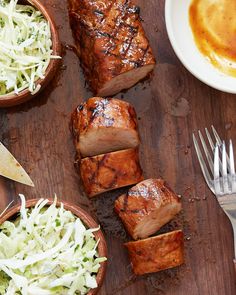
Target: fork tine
(212, 145)
(224, 162)
(231, 157)
(217, 170)
(202, 164)
(225, 183)
(210, 139)
(217, 137)
(219, 142)
(207, 153)
(232, 167)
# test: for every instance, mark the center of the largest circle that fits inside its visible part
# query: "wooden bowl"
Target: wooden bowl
(12, 99)
(88, 221)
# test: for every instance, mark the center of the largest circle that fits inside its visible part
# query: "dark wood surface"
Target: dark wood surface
(170, 107)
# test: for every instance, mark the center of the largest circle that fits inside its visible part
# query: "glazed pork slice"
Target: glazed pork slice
(146, 207)
(156, 253)
(103, 125)
(112, 46)
(110, 171)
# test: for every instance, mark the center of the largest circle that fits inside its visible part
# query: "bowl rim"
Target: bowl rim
(85, 217)
(180, 55)
(11, 98)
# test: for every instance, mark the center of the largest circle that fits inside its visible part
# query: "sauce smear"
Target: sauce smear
(213, 24)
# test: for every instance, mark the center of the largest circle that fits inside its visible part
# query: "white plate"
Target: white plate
(181, 38)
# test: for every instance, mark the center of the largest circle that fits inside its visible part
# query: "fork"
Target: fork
(219, 174)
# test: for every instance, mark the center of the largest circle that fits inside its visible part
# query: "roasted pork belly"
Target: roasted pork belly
(146, 207)
(156, 253)
(110, 171)
(112, 46)
(103, 125)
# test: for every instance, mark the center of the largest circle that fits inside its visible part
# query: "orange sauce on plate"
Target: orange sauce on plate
(213, 23)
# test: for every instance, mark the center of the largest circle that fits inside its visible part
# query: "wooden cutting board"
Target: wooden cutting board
(170, 107)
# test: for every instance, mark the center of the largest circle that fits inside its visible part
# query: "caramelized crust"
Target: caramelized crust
(103, 125)
(110, 171)
(156, 253)
(146, 207)
(111, 43)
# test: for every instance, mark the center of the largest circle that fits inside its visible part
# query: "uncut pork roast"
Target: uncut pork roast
(110, 171)
(156, 253)
(103, 125)
(112, 46)
(146, 207)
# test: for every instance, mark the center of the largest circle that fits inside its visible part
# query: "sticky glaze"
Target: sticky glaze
(213, 25)
(111, 42)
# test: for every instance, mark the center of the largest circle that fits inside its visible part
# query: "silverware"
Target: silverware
(218, 169)
(10, 167)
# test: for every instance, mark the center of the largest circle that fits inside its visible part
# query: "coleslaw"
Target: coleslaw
(47, 250)
(25, 47)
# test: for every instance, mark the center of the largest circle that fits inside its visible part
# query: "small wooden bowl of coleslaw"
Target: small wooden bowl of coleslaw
(51, 247)
(29, 50)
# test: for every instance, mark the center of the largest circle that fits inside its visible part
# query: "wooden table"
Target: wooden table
(170, 107)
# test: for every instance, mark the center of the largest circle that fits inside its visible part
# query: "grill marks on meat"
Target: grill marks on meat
(156, 253)
(106, 138)
(144, 209)
(103, 125)
(147, 207)
(110, 171)
(114, 51)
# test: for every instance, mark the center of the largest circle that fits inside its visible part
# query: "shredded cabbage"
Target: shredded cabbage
(47, 250)
(25, 47)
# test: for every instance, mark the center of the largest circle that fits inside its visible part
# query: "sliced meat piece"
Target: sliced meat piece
(147, 207)
(111, 43)
(110, 171)
(103, 125)
(156, 253)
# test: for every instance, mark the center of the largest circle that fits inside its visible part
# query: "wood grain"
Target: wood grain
(170, 107)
